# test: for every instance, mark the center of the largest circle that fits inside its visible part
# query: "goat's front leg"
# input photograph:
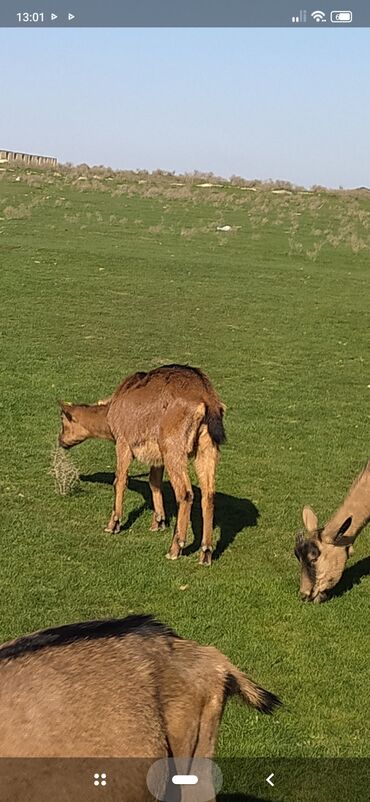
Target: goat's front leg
(124, 457)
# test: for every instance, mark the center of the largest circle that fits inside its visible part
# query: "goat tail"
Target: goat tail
(214, 421)
(238, 684)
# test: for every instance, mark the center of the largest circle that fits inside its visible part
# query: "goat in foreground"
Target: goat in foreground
(119, 688)
(323, 555)
(161, 418)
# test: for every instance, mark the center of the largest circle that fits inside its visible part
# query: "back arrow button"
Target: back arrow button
(269, 779)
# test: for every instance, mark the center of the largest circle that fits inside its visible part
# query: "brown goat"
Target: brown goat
(323, 555)
(128, 688)
(161, 418)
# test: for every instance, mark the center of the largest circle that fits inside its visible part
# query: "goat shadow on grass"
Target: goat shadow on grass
(352, 576)
(231, 516)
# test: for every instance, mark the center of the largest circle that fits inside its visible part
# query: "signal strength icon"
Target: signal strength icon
(318, 16)
(301, 17)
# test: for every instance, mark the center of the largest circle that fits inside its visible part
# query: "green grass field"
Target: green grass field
(107, 275)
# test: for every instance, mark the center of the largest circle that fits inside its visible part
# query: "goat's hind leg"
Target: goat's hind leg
(124, 457)
(155, 483)
(205, 464)
(181, 484)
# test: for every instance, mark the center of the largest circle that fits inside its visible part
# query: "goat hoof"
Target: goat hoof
(205, 557)
(175, 551)
(113, 529)
(157, 526)
(321, 597)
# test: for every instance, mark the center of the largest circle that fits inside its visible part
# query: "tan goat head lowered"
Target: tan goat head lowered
(324, 553)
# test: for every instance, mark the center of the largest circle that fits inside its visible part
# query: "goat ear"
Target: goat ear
(310, 519)
(339, 539)
(65, 408)
(64, 404)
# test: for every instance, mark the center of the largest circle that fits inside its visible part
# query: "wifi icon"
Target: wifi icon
(318, 16)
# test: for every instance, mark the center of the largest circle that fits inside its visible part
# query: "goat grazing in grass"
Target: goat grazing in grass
(161, 418)
(323, 555)
(125, 688)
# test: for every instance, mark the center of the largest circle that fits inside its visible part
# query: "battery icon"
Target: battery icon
(341, 16)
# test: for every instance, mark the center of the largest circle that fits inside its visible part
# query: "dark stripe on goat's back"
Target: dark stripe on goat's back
(135, 380)
(185, 370)
(182, 368)
(142, 625)
(140, 379)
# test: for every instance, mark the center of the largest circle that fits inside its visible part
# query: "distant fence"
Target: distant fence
(26, 158)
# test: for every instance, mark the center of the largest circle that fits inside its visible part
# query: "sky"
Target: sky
(288, 104)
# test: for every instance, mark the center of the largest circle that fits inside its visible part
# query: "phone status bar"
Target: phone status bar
(176, 14)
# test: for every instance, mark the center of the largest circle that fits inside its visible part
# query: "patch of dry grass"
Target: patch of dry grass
(21, 212)
(64, 472)
(158, 229)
